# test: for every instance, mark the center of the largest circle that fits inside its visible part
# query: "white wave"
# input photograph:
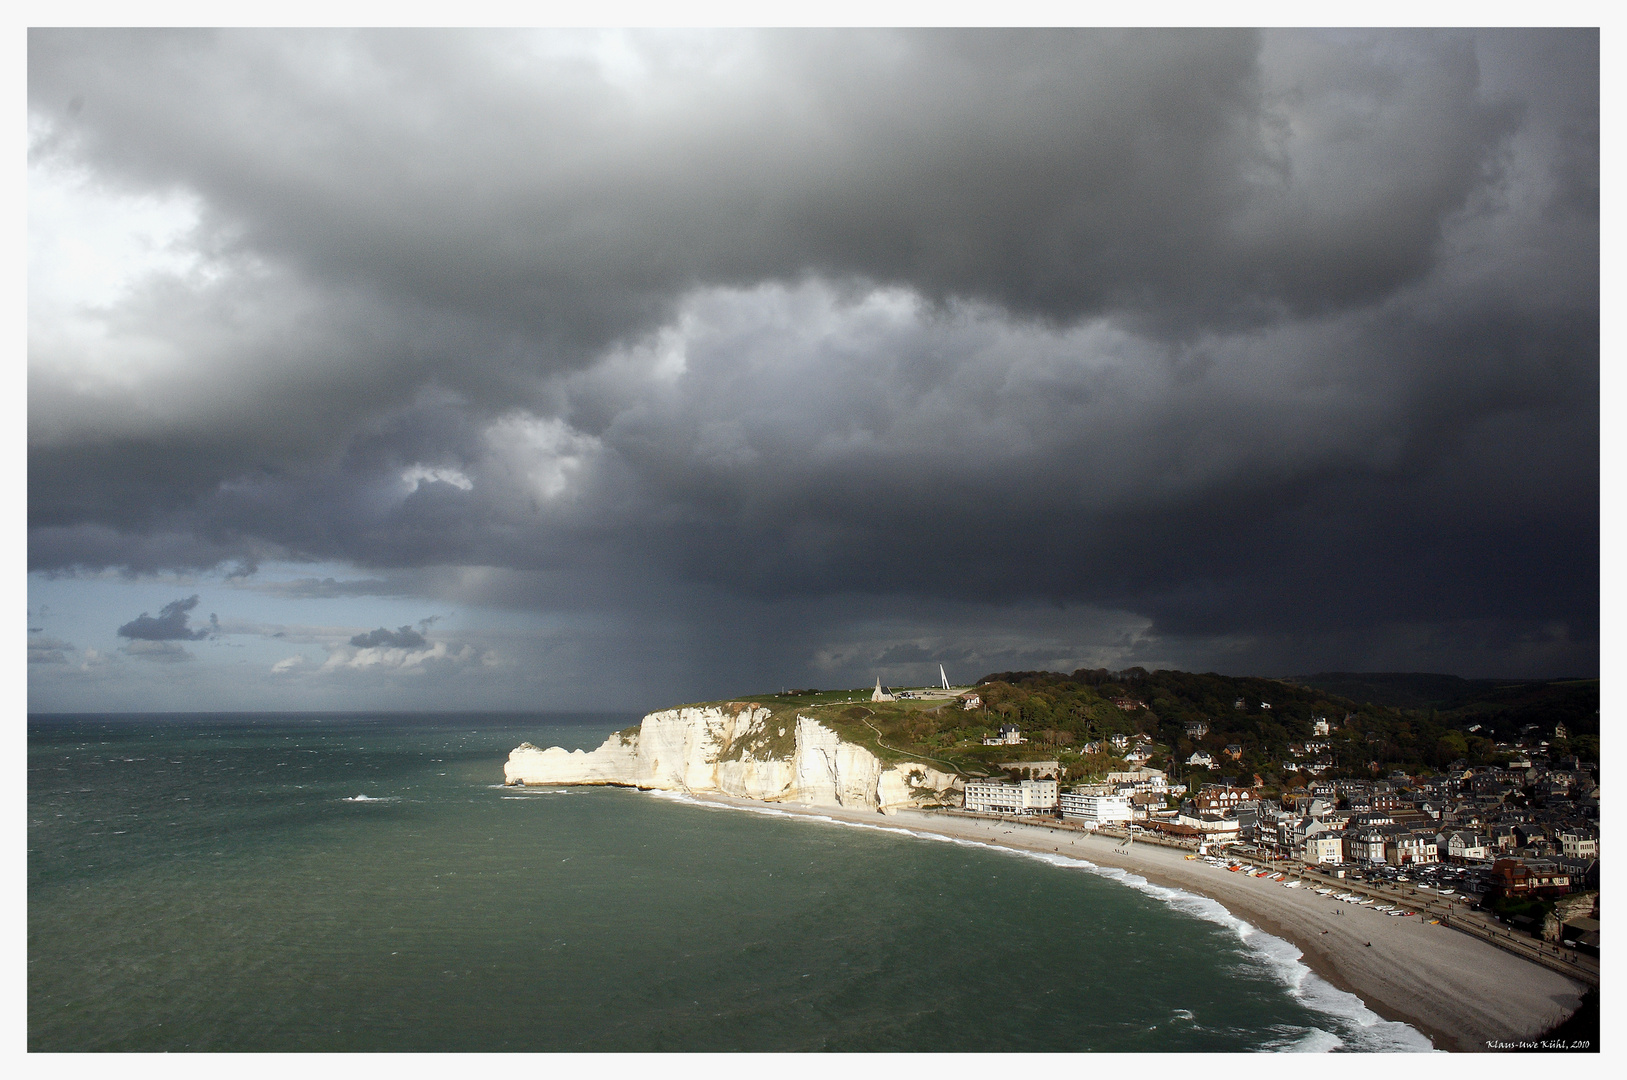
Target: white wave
(366, 798)
(1359, 1028)
(1363, 1029)
(1314, 1041)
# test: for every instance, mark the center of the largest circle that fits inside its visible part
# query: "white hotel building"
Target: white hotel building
(1095, 810)
(995, 797)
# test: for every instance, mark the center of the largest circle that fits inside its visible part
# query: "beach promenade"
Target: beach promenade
(1460, 991)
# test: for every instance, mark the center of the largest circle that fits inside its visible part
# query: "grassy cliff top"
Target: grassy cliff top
(1251, 727)
(936, 731)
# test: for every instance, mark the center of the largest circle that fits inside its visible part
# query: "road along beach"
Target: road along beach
(1458, 990)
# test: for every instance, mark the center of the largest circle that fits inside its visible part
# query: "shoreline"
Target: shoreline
(1457, 991)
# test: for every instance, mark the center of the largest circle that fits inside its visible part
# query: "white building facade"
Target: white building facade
(1095, 810)
(1325, 848)
(995, 797)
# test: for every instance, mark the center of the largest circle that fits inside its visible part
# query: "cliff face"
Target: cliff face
(738, 750)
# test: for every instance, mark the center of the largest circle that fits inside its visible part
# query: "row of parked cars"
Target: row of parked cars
(1460, 883)
(1456, 882)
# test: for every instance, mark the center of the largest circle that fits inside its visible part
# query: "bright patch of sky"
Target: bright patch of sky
(286, 631)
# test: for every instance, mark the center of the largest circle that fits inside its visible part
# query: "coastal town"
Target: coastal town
(1489, 806)
(1516, 841)
(1432, 847)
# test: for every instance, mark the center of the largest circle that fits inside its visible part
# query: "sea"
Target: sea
(364, 882)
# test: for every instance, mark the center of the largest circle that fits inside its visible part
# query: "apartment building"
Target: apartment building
(996, 797)
(1095, 810)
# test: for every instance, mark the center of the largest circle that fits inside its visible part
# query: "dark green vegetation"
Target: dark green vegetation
(1255, 724)
(1501, 706)
(1509, 908)
(907, 730)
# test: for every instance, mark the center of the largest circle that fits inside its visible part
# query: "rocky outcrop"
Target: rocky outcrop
(1578, 905)
(739, 750)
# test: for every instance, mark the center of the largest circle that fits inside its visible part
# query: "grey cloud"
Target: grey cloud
(47, 650)
(135, 546)
(1281, 346)
(158, 652)
(329, 636)
(169, 626)
(404, 638)
(552, 211)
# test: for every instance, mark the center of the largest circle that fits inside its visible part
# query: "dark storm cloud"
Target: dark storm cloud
(1286, 340)
(480, 174)
(169, 626)
(483, 210)
(404, 638)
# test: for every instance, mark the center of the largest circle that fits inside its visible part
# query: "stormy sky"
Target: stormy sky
(407, 369)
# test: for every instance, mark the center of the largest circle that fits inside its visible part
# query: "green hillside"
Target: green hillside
(1254, 724)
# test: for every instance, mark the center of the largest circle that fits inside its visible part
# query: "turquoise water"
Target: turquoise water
(215, 883)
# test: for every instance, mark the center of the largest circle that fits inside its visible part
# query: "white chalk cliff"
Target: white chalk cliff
(738, 750)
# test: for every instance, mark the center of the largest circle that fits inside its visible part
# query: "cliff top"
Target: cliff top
(1249, 726)
(934, 730)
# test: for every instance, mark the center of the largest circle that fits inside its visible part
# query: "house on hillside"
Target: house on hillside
(1215, 799)
(1197, 729)
(1140, 779)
